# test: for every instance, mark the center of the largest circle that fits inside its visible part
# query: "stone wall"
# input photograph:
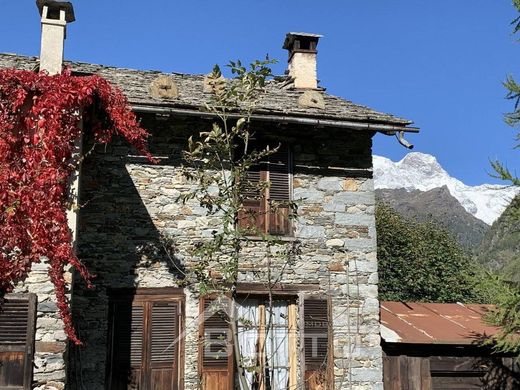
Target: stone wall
(50, 339)
(129, 205)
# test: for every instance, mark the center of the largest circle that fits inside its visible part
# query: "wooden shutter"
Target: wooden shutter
(268, 212)
(163, 344)
(17, 327)
(127, 347)
(252, 217)
(316, 342)
(144, 349)
(216, 362)
(279, 192)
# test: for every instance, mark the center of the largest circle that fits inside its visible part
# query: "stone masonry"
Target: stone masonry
(129, 211)
(128, 205)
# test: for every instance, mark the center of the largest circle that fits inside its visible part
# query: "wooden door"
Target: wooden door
(145, 353)
(17, 325)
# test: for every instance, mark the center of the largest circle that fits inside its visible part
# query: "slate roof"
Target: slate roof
(280, 97)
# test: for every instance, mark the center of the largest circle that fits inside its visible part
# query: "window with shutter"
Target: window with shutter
(267, 344)
(145, 346)
(267, 210)
(17, 327)
(316, 343)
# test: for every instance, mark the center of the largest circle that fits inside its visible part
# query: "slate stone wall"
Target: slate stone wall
(128, 205)
(49, 371)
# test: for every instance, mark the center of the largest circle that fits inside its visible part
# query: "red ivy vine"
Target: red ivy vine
(39, 122)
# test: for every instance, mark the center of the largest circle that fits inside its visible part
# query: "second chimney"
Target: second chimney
(55, 16)
(302, 58)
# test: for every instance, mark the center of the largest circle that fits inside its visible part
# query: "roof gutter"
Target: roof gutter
(352, 125)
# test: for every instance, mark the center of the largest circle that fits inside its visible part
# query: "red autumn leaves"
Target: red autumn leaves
(39, 122)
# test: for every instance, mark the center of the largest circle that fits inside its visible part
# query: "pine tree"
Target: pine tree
(508, 313)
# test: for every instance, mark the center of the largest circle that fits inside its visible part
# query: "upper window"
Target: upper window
(269, 193)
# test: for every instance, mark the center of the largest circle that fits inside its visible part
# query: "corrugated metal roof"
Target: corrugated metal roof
(434, 323)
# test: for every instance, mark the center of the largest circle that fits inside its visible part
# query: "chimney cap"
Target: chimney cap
(58, 5)
(293, 36)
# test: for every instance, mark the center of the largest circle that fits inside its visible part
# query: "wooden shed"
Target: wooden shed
(438, 346)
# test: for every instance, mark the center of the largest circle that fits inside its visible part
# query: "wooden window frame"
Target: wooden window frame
(28, 347)
(292, 331)
(265, 214)
(291, 293)
(147, 296)
(292, 367)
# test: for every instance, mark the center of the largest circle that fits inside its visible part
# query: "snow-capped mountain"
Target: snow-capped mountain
(419, 171)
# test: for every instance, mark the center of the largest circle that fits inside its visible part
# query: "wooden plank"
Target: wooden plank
(29, 344)
(455, 364)
(426, 379)
(181, 351)
(456, 382)
(414, 372)
(252, 217)
(293, 351)
(261, 343)
(18, 347)
(216, 381)
(301, 350)
(11, 370)
(162, 378)
(263, 218)
(276, 289)
(403, 370)
(390, 373)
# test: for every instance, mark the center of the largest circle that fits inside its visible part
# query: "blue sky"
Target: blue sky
(440, 63)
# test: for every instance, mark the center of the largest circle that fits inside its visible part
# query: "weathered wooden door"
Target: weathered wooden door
(145, 344)
(17, 325)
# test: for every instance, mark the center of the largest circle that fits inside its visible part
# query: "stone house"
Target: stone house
(141, 325)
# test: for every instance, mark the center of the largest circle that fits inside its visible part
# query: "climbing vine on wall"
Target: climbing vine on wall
(40, 118)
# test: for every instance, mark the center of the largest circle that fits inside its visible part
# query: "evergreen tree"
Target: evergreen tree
(421, 261)
(508, 314)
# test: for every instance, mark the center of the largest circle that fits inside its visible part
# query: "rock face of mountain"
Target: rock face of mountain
(418, 171)
(440, 206)
(500, 248)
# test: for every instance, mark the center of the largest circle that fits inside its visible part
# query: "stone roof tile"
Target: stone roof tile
(279, 98)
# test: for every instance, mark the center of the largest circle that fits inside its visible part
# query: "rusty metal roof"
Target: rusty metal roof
(434, 323)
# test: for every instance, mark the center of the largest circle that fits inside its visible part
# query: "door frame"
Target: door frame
(148, 295)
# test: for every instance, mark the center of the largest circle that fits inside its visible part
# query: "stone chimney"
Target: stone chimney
(55, 16)
(302, 58)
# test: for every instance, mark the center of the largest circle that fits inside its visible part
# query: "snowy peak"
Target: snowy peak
(420, 171)
(416, 171)
(425, 163)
